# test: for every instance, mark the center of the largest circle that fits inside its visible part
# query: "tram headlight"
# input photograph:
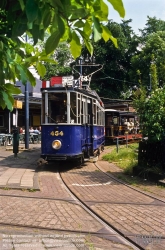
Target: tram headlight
(56, 144)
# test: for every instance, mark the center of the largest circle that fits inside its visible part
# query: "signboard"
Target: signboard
(17, 104)
(61, 81)
(67, 80)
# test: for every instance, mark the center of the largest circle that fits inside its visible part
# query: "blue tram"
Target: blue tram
(73, 120)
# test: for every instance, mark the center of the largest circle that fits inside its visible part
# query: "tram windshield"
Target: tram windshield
(56, 108)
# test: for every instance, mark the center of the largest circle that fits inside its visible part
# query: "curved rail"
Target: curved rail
(121, 236)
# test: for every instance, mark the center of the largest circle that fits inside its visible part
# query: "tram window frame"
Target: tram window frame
(43, 109)
(94, 112)
(78, 108)
(84, 112)
(102, 117)
(89, 111)
(57, 109)
(73, 107)
(98, 114)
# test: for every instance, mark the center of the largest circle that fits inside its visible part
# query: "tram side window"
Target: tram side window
(89, 111)
(73, 110)
(79, 108)
(94, 113)
(57, 108)
(102, 118)
(83, 111)
(98, 116)
(43, 109)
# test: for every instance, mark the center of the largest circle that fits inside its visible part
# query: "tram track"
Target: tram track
(100, 232)
(90, 204)
(87, 204)
(127, 185)
(122, 237)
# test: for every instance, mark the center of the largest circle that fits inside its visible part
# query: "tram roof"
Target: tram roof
(89, 92)
(121, 113)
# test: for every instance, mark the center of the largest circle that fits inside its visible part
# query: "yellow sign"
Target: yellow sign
(17, 104)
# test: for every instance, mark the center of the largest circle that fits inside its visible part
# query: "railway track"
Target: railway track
(106, 233)
(31, 217)
(106, 208)
(93, 187)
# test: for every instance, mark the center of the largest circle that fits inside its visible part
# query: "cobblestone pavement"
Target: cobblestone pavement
(28, 213)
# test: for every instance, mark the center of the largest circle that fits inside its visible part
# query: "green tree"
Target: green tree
(63, 58)
(114, 78)
(143, 60)
(151, 44)
(152, 25)
(151, 111)
(73, 21)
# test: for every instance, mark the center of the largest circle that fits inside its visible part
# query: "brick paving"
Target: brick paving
(133, 213)
(41, 201)
(49, 206)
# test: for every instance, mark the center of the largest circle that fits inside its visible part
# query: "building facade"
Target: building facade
(17, 116)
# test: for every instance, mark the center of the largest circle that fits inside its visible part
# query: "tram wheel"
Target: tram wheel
(81, 160)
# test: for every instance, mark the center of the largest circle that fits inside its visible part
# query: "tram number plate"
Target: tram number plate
(57, 133)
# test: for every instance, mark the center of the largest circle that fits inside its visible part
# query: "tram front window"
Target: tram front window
(57, 108)
(73, 114)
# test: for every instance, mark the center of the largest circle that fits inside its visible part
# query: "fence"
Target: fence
(151, 156)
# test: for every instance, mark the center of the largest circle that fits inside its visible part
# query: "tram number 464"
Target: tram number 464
(57, 133)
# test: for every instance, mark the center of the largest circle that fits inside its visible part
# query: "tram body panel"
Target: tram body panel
(98, 136)
(69, 136)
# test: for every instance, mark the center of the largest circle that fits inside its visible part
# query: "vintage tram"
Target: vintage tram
(73, 120)
(122, 125)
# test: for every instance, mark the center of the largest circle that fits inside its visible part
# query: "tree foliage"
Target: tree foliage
(151, 111)
(151, 45)
(73, 21)
(114, 77)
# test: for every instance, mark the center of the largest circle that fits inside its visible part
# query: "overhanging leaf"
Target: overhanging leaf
(7, 101)
(89, 46)
(31, 10)
(97, 29)
(52, 42)
(12, 88)
(75, 45)
(118, 6)
(41, 69)
(107, 35)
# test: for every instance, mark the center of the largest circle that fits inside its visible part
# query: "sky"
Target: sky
(138, 10)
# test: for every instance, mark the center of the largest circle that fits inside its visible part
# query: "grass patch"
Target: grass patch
(126, 157)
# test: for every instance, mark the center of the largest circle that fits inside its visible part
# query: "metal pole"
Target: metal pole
(9, 122)
(80, 62)
(26, 112)
(117, 145)
(126, 139)
(26, 116)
